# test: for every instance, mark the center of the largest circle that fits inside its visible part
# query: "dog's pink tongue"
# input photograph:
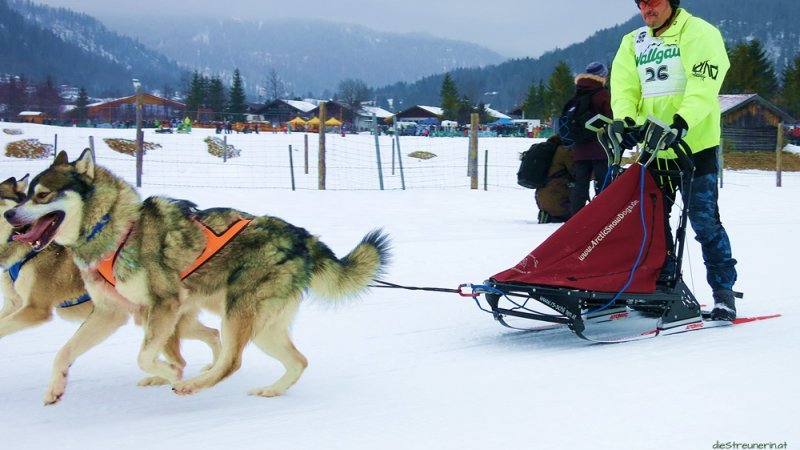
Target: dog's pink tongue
(36, 231)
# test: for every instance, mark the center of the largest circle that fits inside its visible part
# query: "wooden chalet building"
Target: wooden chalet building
(33, 117)
(333, 109)
(281, 111)
(124, 109)
(418, 113)
(750, 123)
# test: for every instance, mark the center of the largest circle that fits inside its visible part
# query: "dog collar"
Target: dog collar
(98, 227)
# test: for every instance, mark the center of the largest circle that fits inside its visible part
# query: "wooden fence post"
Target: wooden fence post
(321, 168)
(778, 151)
(472, 166)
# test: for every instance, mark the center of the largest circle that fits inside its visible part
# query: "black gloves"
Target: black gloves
(679, 125)
(626, 132)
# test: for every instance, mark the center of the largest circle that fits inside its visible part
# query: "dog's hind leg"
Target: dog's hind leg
(237, 329)
(273, 339)
(100, 324)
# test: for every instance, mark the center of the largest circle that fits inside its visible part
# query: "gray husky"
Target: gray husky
(167, 256)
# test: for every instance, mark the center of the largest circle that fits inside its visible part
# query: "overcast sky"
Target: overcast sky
(513, 28)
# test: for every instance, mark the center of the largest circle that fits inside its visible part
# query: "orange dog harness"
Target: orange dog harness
(214, 243)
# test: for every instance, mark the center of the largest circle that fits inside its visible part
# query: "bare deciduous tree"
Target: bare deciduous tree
(352, 93)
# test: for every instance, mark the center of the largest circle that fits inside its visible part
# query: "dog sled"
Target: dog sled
(600, 274)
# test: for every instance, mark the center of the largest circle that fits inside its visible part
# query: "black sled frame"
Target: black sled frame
(610, 316)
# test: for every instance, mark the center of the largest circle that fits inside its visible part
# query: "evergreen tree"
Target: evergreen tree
(751, 71)
(216, 98)
(449, 97)
(483, 113)
(196, 97)
(560, 88)
(544, 100)
(790, 96)
(536, 101)
(81, 104)
(465, 110)
(47, 98)
(237, 103)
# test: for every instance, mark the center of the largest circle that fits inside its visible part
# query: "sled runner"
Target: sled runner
(600, 273)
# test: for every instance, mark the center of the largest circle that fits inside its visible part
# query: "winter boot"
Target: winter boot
(724, 305)
(544, 217)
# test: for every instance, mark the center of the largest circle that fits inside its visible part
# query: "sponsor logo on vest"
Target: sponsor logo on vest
(657, 55)
(704, 69)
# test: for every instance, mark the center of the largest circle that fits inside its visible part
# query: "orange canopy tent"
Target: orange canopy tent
(297, 121)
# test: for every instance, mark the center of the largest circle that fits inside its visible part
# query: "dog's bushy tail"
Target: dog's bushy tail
(336, 279)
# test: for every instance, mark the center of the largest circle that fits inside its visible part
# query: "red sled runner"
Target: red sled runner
(600, 273)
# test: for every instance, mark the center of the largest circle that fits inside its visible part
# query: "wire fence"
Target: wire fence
(203, 158)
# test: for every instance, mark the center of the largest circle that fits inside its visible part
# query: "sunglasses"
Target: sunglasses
(650, 3)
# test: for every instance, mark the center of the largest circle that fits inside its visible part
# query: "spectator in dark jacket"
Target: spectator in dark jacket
(590, 158)
(553, 198)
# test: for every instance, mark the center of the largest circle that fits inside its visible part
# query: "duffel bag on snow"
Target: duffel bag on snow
(536, 162)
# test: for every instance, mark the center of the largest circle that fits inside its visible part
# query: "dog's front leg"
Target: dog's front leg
(160, 323)
(100, 324)
(11, 300)
(25, 317)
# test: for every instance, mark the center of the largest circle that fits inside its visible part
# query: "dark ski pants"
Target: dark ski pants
(582, 175)
(708, 230)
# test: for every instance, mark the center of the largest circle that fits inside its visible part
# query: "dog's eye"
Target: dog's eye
(42, 195)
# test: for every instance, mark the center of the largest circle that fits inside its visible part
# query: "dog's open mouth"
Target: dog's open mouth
(41, 233)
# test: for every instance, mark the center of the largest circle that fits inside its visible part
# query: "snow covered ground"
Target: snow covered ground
(401, 369)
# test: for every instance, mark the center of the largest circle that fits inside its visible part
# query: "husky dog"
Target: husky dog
(166, 256)
(36, 282)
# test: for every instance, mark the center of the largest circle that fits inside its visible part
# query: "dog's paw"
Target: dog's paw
(51, 397)
(184, 388)
(152, 381)
(56, 389)
(264, 392)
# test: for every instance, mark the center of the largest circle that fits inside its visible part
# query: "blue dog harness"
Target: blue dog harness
(14, 269)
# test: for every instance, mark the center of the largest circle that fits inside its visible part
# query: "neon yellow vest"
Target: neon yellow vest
(680, 72)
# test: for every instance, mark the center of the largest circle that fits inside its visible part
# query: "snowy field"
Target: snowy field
(401, 369)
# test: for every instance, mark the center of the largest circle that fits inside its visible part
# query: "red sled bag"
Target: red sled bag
(616, 242)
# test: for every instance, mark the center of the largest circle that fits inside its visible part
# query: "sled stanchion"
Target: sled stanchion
(291, 165)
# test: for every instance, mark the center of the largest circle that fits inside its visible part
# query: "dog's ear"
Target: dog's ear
(85, 164)
(21, 186)
(11, 181)
(61, 159)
